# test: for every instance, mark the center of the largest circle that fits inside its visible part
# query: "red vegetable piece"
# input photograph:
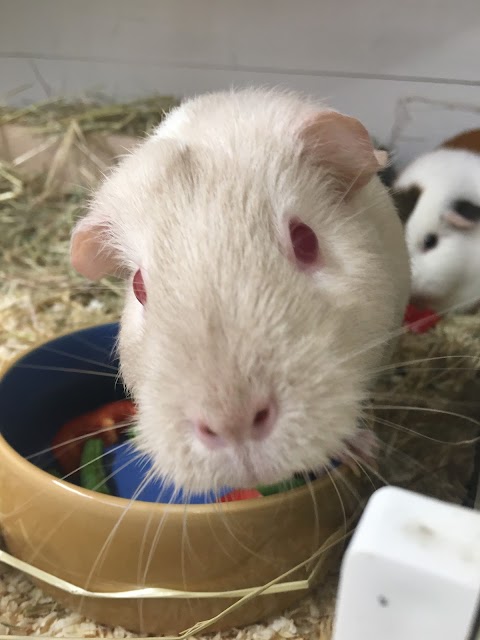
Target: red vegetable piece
(240, 494)
(101, 423)
(420, 320)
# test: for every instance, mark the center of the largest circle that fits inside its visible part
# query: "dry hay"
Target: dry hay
(434, 384)
(40, 295)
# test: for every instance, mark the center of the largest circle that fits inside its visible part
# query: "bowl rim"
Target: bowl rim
(137, 506)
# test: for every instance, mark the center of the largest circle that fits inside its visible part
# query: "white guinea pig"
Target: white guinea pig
(438, 197)
(266, 270)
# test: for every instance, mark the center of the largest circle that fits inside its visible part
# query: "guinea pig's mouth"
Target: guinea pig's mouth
(422, 301)
(361, 449)
(249, 472)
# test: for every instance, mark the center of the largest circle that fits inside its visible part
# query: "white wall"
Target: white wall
(376, 59)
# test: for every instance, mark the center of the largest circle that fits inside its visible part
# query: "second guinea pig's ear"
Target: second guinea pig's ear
(381, 156)
(342, 145)
(91, 252)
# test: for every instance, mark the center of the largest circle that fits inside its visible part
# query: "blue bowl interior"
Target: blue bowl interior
(55, 383)
(61, 380)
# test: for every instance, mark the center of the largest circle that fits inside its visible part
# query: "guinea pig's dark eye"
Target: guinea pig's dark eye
(467, 210)
(304, 243)
(139, 287)
(430, 241)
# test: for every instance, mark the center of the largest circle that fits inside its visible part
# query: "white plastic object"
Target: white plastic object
(411, 571)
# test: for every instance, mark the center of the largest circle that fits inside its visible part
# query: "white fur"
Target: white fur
(200, 207)
(448, 276)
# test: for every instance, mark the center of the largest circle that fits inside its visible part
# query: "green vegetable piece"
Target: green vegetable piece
(92, 472)
(131, 432)
(280, 487)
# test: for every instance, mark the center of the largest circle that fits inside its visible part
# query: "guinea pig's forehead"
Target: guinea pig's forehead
(207, 176)
(164, 160)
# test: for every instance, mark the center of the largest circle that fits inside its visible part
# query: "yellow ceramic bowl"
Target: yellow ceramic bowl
(107, 544)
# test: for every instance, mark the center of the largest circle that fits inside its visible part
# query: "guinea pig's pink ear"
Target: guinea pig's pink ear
(457, 221)
(381, 157)
(343, 146)
(90, 254)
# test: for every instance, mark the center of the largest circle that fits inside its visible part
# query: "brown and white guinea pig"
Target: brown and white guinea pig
(266, 270)
(438, 197)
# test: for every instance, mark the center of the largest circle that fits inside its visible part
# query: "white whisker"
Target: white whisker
(67, 370)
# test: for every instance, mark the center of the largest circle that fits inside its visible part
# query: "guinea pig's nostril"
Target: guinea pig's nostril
(206, 431)
(261, 417)
(263, 421)
(205, 434)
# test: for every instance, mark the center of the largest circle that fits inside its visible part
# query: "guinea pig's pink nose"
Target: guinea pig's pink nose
(220, 433)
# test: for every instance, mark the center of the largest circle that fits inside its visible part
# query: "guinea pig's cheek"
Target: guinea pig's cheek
(427, 285)
(136, 312)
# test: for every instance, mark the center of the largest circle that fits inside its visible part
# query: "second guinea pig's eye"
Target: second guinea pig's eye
(139, 287)
(430, 241)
